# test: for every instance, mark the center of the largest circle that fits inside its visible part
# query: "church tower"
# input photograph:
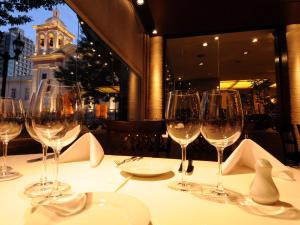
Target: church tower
(53, 45)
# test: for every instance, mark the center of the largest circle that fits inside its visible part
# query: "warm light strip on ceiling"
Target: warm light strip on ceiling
(237, 84)
(109, 89)
(243, 84)
(227, 84)
(273, 85)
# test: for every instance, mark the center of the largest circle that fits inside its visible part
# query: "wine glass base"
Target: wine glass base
(8, 168)
(9, 175)
(61, 188)
(211, 193)
(39, 189)
(184, 186)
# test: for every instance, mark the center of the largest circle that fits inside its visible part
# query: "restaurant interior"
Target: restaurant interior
(155, 47)
(165, 48)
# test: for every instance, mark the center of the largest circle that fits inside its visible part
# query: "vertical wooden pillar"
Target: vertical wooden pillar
(133, 97)
(293, 49)
(154, 103)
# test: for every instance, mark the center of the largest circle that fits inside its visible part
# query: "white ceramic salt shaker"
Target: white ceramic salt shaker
(263, 189)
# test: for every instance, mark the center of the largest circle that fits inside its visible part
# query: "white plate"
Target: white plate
(102, 208)
(146, 167)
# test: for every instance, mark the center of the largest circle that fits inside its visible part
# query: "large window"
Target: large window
(58, 44)
(26, 94)
(51, 40)
(13, 93)
(42, 40)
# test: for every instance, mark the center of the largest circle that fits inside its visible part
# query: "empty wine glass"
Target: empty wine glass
(11, 124)
(56, 119)
(43, 187)
(183, 125)
(222, 123)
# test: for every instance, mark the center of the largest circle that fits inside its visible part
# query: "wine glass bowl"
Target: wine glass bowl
(11, 125)
(222, 123)
(183, 125)
(57, 119)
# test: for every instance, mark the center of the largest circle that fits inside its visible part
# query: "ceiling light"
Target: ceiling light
(154, 31)
(245, 53)
(179, 78)
(109, 89)
(204, 44)
(243, 84)
(254, 40)
(81, 22)
(216, 38)
(201, 64)
(140, 2)
(236, 84)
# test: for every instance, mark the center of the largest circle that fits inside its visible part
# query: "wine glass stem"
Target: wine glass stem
(44, 174)
(4, 167)
(183, 164)
(56, 159)
(220, 188)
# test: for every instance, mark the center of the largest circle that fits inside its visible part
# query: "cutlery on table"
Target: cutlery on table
(133, 158)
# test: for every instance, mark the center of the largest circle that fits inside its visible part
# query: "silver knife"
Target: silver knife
(133, 158)
(50, 156)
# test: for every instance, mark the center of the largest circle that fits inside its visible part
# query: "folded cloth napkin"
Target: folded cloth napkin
(85, 148)
(246, 155)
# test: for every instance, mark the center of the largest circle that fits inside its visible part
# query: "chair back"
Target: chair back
(143, 138)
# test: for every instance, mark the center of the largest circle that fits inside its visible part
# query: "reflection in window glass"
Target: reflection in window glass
(241, 60)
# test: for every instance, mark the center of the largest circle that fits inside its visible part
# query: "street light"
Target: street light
(18, 46)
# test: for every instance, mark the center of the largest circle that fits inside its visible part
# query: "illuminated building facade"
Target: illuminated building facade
(53, 44)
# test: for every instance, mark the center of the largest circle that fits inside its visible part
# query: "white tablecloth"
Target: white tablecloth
(167, 206)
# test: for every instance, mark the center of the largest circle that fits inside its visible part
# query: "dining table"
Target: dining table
(166, 206)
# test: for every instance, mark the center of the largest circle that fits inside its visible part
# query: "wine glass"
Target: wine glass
(183, 125)
(222, 123)
(43, 187)
(11, 124)
(56, 119)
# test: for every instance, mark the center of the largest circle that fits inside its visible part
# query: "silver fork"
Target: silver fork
(132, 158)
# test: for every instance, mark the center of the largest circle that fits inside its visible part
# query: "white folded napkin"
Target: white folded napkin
(85, 148)
(246, 155)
